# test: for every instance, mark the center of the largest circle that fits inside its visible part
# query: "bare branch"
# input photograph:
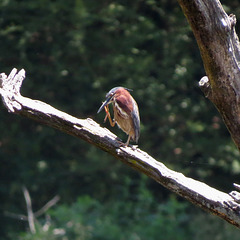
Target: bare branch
(48, 205)
(210, 199)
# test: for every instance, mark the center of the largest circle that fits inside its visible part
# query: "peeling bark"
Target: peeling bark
(219, 203)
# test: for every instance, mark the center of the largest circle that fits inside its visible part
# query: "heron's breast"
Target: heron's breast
(124, 121)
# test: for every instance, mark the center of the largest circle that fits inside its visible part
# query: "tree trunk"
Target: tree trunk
(218, 43)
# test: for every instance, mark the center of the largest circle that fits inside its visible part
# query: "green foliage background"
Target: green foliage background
(73, 53)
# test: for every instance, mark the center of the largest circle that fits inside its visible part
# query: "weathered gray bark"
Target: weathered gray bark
(222, 204)
(215, 33)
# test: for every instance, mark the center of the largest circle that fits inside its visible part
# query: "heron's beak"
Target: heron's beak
(107, 101)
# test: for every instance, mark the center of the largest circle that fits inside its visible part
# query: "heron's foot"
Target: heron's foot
(122, 144)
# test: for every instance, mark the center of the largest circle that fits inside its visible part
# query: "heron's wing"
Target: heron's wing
(136, 121)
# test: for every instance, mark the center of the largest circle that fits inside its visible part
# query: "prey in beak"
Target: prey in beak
(104, 105)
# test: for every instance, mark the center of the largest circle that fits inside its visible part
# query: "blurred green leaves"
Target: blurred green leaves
(89, 219)
(73, 53)
(134, 220)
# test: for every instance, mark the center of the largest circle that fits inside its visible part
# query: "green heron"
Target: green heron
(125, 110)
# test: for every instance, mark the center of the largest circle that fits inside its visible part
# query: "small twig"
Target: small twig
(29, 210)
(49, 204)
(16, 216)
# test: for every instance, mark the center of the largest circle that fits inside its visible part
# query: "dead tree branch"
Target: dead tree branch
(210, 199)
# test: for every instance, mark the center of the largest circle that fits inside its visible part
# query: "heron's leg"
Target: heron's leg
(107, 113)
(126, 144)
(112, 122)
(134, 147)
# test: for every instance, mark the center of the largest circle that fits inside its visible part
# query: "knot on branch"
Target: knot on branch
(10, 88)
(205, 86)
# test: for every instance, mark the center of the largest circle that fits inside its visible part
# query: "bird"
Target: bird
(125, 110)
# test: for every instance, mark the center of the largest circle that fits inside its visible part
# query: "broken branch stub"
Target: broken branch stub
(10, 88)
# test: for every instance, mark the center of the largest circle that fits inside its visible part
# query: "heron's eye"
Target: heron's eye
(112, 94)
